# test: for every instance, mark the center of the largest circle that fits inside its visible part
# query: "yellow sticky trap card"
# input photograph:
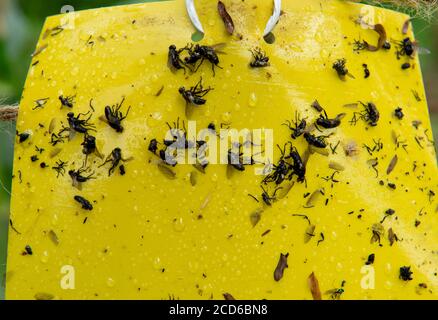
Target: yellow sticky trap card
(347, 211)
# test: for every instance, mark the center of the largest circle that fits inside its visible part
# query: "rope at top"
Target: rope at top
(8, 113)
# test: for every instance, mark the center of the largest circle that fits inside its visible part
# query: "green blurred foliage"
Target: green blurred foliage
(22, 24)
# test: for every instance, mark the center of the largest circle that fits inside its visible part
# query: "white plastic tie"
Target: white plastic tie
(191, 10)
(272, 22)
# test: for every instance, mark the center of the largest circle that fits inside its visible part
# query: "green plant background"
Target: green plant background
(20, 24)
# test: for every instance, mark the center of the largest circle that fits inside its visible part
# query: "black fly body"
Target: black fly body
(399, 113)
(194, 54)
(114, 116)
(298, 166)
(202, 53)
(174, 60)
(267, 199)
(114, 158)
(86, 205)
(340, 66)
(78, 177)
(22, 137)
(260, 59)
(67, 101)
(405, 273)
(60, 168)
(179, 136)
(281, 170)
(366, 71)
(235, 159)
(76, 124)
(405, 48)
(89, 145)
(370, 115)
(317, 142)
(327, 123)
(298, 127)
(195, 95)
(153, 146)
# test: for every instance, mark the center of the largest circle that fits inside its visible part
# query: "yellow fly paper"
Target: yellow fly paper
(360, 224)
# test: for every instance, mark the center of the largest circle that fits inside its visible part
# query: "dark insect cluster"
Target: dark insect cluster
(163, 154)
(179, 136)
(290, 164)
(280, 172)
(176, 139)
(198, 53)
(192, 57)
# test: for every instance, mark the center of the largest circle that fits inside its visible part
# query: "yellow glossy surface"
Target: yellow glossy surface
(144, 239)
